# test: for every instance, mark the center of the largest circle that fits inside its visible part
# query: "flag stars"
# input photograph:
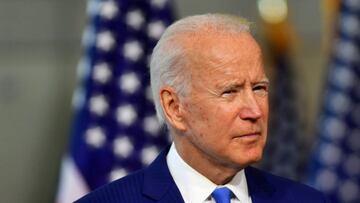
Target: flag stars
(98, 105)
(352, 166)
(109, 10)
(353, 4)
(117, 173)
(93, 8)
(155, 29)
(105, 41)
(149, 94)
(123, 147)
(350, 25)
(330, 154)
(102, 73)
(95, 137)
(151, 125)
(115, 102)
(135, 19)
(334, 128)
(326, 180)
(84, 68)
(133, 50)
(89, 36)
(349, 191)
(78, 99)
(129, 83)
(342, 77)
(347, 51)
(126, 114)
(340, 103)
(159, 3)
(148, 154)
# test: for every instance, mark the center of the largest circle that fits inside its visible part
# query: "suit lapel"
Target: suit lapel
(260, 189)
(160, 186)
(158, 182)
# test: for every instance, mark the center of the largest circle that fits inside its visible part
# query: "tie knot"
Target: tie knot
(221, 195)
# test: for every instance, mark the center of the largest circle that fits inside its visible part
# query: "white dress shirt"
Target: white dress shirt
(196, 188)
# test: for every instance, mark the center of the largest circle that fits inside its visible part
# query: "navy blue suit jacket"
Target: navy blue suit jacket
(155, 184)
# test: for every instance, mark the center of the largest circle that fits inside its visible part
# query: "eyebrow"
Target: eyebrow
(263, 81)
(237, 85)
(231, 85)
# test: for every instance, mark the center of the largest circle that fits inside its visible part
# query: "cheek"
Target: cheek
(208, 124)
(264, 105)
(226, 110)
(265, 112)
(222, 121)
(197, 116)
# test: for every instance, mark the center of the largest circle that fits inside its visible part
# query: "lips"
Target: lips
(250, 134)
(250, 137)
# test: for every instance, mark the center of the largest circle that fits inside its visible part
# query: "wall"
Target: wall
(39, 50)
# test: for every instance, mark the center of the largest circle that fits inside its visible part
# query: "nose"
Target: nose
(250, 109)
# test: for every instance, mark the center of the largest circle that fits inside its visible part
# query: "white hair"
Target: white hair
(168, 62)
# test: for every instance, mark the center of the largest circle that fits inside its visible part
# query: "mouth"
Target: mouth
(253, 136)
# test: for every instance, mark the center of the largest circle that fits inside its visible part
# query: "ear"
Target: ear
(172, 108)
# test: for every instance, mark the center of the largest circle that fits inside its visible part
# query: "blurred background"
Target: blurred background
(43, 41)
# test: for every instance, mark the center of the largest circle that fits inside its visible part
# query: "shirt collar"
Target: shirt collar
(194, 187)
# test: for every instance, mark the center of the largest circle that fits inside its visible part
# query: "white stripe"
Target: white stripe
(72, 184)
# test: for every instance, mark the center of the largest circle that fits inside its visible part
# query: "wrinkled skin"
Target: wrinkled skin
(220, 127)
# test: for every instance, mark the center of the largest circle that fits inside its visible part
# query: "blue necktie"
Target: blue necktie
(221, 195)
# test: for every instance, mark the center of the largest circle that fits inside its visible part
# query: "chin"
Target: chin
(249, 158)
(257, 158)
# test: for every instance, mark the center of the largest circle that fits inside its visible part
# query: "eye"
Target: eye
(230, 91)
(261, 89)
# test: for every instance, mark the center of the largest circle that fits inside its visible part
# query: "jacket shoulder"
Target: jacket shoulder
(282, 188)
(126, 189)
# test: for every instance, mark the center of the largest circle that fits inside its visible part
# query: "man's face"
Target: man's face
(226, 111)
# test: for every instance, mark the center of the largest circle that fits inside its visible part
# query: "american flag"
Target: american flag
(283, 152)
(115, 129)
(335, 168)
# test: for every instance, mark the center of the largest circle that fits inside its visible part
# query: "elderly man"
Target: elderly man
(211, 90)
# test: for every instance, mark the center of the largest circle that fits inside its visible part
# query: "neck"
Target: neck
(215, 171)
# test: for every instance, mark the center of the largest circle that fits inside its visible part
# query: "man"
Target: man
(211, 90)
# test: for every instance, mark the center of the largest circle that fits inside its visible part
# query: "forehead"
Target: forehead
(234, 55)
